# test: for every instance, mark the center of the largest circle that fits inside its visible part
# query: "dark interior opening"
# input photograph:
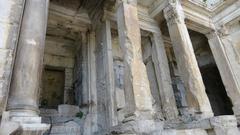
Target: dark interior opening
(52, 93)
(219, 100)
(216, 92)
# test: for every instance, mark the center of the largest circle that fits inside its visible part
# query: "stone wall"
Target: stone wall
(60, 55)
(11, 16)
(235, 34)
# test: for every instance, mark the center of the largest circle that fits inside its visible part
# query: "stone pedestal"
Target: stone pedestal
(197, 99)
(137, 89)
(228, 70)
(225, 125)
(23, 97)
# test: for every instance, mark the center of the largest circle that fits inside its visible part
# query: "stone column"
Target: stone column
(23, 98)
(11, 15)
(160, 61)
(198, 101)
(90, 125)
(224, 56)
(108, 62)
(137, 89)
(105, 77)
(84, 91)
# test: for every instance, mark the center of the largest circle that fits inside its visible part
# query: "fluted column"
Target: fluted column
(198, 101)
(225, 57)
(23, 97)
(160, 61)
(137, 89)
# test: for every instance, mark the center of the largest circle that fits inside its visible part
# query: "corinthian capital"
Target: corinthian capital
(173, 12)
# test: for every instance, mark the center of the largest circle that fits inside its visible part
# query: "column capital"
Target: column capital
(173, 12)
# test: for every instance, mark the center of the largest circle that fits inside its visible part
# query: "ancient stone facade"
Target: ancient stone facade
(120, 67)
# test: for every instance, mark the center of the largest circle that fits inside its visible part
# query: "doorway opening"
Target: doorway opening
(52, 93)
(219, 100)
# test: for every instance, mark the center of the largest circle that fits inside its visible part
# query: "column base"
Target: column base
(24, 125)
(31, 125)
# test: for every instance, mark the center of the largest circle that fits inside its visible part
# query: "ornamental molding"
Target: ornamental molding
(210, 7)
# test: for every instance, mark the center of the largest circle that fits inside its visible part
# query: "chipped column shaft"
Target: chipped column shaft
(137, 89)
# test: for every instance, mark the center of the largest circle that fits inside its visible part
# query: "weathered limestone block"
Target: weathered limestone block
(225, 125)
(69, 128)
(68, 110)
(58, 61)
(7, 127)
(137, 89)
(185, 132)
(196, 96)
(11, 15)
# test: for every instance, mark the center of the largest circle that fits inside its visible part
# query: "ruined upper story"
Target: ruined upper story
(202, 16)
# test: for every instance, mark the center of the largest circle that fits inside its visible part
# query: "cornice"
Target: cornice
(228, 16)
